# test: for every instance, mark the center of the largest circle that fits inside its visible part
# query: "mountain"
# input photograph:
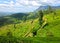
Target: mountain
(5, 13)
(9, 18)
(45, 7)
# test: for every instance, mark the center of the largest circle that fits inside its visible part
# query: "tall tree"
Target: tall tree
(40, 17)
(40, 22)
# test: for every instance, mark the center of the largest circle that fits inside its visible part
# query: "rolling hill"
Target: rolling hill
(49, 34)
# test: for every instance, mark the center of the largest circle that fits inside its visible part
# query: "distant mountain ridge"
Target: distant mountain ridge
(5, 13)
(45, 7)
(19, 15)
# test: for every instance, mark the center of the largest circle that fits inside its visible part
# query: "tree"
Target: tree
(40, 17)
(34, 33)
(9, 33)
(40, 22)
(15, 26)
(24, 18)
(54, 13)
(49, 10)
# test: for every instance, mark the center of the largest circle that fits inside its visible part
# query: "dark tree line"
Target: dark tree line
(40, 21)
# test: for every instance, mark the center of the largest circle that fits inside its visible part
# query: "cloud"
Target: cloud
(51, 2)
(7, 4)
(37, 2)
(28, 2)
(17, 5)
(34, 3)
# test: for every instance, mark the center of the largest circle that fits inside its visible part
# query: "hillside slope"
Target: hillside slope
(20, 29)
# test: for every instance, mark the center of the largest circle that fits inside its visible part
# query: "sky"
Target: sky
(25, 5)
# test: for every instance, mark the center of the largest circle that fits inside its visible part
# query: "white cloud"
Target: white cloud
(34, 3)
(37, 2)
(2, 6)
(17, 4)
(49, 1)
(8, 4)
(11, 3)
(28, 4)
(44, 0)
